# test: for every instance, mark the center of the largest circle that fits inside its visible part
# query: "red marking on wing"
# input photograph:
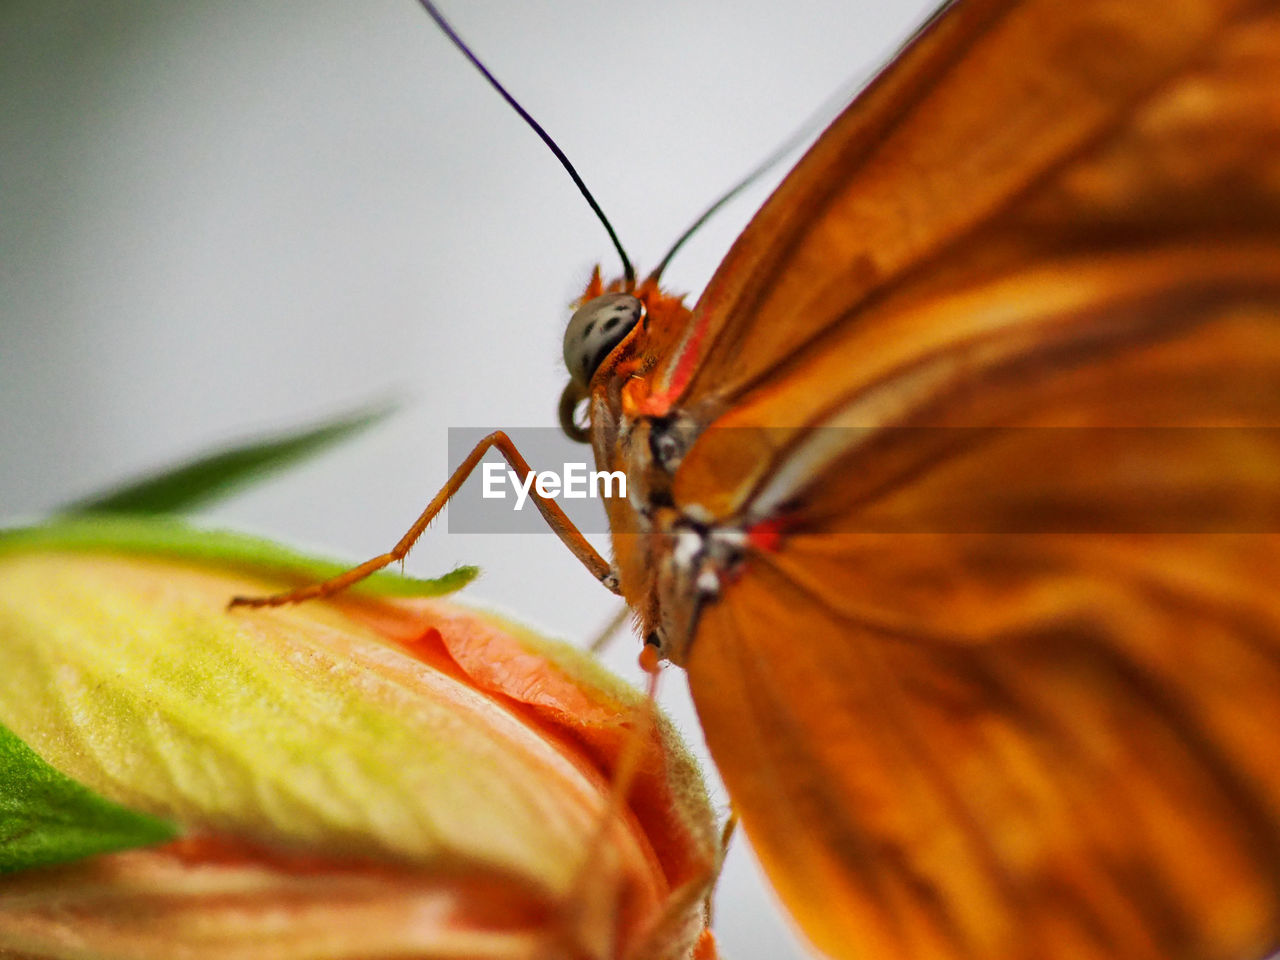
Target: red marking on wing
(766, 535)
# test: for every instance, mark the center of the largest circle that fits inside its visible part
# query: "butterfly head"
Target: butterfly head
(607, 315)
(595, 329)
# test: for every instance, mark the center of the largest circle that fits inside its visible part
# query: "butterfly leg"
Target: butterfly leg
(726, 837)
(604, 638)
(556, 518)
(587, 920)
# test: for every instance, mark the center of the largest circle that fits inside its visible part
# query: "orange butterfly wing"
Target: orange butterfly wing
(982, 109)
(1007, 345)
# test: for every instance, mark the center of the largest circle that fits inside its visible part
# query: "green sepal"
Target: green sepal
(47, 818)
(204, 479)
(167, 537)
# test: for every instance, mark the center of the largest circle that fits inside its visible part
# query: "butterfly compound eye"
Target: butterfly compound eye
(595, 329)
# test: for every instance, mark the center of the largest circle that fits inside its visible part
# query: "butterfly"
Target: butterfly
(956, 493)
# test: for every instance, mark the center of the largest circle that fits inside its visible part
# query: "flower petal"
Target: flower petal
(449, 747)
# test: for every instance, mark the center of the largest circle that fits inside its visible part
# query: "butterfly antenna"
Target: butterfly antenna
(812, 125)
(628, 270)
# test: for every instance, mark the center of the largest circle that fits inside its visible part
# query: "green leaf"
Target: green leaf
(166, 537)
(204, 479)
(48, 818)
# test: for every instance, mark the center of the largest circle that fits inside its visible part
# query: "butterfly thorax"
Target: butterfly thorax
(668, 558)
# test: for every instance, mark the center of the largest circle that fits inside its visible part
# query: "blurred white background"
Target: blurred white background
(224, 219)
